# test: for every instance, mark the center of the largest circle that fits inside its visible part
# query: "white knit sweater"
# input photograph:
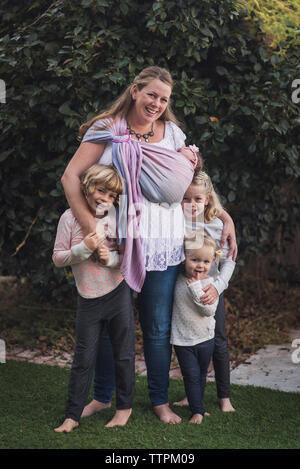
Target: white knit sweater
(192, 322)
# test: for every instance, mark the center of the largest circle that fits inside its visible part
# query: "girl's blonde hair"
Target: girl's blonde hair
(123, 103)
(101, 174)
(205, 241)
(214, 206)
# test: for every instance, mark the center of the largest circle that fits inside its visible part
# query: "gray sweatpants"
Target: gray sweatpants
(116, 308)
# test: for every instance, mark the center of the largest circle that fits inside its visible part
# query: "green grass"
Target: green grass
(33, 401)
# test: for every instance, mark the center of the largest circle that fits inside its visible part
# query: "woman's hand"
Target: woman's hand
(211, 295)
(93, 241)
(229, 234)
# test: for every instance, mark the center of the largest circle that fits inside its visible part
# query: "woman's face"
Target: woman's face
(150, 102)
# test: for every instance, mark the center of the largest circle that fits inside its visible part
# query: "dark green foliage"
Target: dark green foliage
(65, 61)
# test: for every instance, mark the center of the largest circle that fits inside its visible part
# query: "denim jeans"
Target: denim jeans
(194, 361)
(155, 309)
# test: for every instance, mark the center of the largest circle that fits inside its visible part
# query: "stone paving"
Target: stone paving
(275, 367)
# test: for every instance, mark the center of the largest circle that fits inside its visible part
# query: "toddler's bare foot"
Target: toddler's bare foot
(165, 414)
(225, 405)
(196, 418)
(120, 418)
(93, 407)
(181, 403)
(67, 426)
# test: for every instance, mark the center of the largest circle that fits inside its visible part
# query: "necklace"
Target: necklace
(139, 136)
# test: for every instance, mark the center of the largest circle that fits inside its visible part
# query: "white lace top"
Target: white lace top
(161, 227)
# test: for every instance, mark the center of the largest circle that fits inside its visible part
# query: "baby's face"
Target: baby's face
(198, 262)
(194, 201)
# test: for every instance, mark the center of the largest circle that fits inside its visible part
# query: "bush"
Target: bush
(231, 92)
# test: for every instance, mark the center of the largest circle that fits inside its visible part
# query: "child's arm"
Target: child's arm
(64, 254)
(195, 289)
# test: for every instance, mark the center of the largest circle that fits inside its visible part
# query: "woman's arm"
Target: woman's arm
(86, 155)
(228, 234)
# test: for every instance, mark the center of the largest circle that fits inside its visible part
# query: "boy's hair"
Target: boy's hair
(199, 243)
(101, 174)
(214, 206)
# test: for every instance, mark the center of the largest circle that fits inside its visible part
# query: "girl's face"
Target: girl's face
(199, 261)
(194, 201)
(150, 102)
(101, 200)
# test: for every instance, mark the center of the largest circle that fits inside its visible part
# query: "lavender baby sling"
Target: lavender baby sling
(161, 175)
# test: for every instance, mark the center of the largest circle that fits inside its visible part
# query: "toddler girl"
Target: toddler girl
(193, 323)
(201, 207)
(103, 295)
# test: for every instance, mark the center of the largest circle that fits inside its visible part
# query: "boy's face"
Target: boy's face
(198, 262)
(194, 201)
(101, 200)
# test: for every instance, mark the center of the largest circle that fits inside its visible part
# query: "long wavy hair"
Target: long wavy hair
(214, 206)
(122, 105)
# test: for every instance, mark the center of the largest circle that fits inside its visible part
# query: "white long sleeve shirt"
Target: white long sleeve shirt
(192, 322)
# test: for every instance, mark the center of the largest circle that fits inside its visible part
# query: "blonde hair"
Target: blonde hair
(101, 174)
(214, 206)
(124, 102)
(206, 241)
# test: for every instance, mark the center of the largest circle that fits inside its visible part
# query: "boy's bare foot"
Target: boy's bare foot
(181, 403)
(93, 407)
(67, 426)
(196, 418)
(226, 405)
(165, 414)
(120, 418)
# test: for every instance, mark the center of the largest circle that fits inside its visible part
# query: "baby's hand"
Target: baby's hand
(103, 252)
(198, 276)
(211, 295)
(93, 241)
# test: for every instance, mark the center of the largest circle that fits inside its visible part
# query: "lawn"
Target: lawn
(33, 402)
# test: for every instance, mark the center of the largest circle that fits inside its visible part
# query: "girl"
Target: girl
(103, 295)
(193, 323)
(202, 207)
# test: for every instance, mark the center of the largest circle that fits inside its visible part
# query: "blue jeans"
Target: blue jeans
(194, 361)
(155, 309)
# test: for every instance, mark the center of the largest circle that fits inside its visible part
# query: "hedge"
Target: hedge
(64, 62)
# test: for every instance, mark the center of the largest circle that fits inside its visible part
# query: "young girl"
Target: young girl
(193, 323)
(201, 207)
(103, 295)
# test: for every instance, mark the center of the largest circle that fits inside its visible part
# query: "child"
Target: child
(193, 324)
(191, 152)
(102, 295)
(201, 207)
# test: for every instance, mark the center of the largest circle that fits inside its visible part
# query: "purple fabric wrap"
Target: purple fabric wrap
(160, 175)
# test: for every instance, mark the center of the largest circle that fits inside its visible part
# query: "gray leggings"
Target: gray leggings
(115, 308)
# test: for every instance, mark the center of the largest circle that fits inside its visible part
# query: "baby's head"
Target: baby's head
(201, 199)
(192, 154)
(101, 186)
(199, 256)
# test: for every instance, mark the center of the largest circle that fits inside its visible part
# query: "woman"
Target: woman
(145, 105)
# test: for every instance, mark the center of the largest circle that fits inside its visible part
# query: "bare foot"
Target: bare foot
(225, 405)
(67, 426)
(196, 418)
(181, 403)
(165, 414)
(93, 407)
(120, 418)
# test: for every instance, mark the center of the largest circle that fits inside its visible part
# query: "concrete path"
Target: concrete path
(275, 367)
